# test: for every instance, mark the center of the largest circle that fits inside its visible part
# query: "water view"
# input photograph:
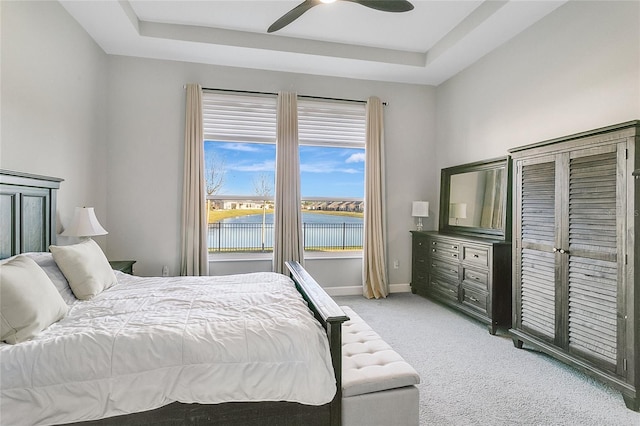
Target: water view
(321, 231)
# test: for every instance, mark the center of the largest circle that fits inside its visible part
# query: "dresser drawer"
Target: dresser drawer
(421, 262)
(420, 277)
(444, 288)
(420, 246)
(475, 255)
(475, 277)
(476, 299)
(444, 269)
(445, 253)
(444, 247)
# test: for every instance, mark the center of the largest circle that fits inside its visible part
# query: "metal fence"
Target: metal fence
(258, 237)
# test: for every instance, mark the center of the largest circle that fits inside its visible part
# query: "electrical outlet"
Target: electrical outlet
(396, 264)
(165, 271)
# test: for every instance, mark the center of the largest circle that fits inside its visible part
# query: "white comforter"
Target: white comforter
(147, 342)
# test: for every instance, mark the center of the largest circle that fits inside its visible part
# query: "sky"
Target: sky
(325, 171)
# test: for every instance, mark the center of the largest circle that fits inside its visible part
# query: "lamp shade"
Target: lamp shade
(458, 210)
(420, 209)
(84, 224)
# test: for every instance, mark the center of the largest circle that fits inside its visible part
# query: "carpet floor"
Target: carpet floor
(469, 377)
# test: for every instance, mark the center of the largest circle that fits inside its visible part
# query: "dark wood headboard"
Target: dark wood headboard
(27, 212)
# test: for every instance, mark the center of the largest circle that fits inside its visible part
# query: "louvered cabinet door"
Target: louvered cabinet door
(592, 248)
(535, 236)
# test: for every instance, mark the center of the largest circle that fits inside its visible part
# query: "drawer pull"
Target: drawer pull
(476, 256)
(454, 247)
(473, 299)
(434, 250)
(454, 255)
(452, 291)
(420, 260)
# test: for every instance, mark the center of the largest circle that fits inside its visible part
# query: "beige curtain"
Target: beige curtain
(194, 224)
(374, 250)
(492, 204)
(288, 241)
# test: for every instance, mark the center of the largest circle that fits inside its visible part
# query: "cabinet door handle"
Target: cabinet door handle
(563, 251)
(555, 249)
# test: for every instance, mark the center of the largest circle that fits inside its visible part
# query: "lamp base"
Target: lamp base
(419, 224)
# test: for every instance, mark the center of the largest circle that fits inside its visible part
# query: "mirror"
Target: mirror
(475, 199)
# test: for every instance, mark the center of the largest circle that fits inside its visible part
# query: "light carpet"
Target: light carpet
(469, 377)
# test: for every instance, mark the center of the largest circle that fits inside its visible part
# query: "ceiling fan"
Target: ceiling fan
(296, 12)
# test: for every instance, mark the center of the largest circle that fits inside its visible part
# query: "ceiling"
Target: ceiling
(427, 45)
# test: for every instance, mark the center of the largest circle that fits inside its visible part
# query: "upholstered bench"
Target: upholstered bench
(378, 385)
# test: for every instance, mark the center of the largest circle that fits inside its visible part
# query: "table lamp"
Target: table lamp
(420, 209)
(458, 211)
(84, 224)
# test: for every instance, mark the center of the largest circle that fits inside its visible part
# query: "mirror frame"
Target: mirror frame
(445, 192)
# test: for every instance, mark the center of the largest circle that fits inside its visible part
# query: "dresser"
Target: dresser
(574, 250)
(470, 274)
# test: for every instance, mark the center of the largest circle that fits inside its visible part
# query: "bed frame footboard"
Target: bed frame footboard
(331, 316)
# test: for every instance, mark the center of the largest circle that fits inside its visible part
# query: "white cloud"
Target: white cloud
(265, 166)
(356, 158)
(244, 147)
(327, 167)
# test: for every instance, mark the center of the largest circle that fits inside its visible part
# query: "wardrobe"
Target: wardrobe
(575, 296)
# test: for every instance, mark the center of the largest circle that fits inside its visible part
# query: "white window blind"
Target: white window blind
(238, 117)
(331, 123)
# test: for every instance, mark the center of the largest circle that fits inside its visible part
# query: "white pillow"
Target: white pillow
(85, 267)
(29, 302)
(50, 267)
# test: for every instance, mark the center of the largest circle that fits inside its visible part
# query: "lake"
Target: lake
(306, 218)
(321, 232)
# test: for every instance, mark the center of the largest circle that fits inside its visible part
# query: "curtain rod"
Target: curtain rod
(275, 94)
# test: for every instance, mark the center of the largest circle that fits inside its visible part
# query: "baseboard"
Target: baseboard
(357, 290)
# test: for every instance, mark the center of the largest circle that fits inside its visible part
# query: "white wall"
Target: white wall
(575, 70)
(53, 104)
(146, 122)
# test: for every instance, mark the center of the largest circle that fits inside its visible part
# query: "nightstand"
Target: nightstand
(125, 266)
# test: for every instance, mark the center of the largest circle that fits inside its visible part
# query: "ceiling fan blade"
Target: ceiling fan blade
(292, 15)
(386, 5)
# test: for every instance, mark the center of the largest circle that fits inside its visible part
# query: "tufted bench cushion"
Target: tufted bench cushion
(369, 364)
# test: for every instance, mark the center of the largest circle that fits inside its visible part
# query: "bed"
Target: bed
(248, 349)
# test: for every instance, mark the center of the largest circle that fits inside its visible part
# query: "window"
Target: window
(240, 137)
(332, 141)
(240, 153)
